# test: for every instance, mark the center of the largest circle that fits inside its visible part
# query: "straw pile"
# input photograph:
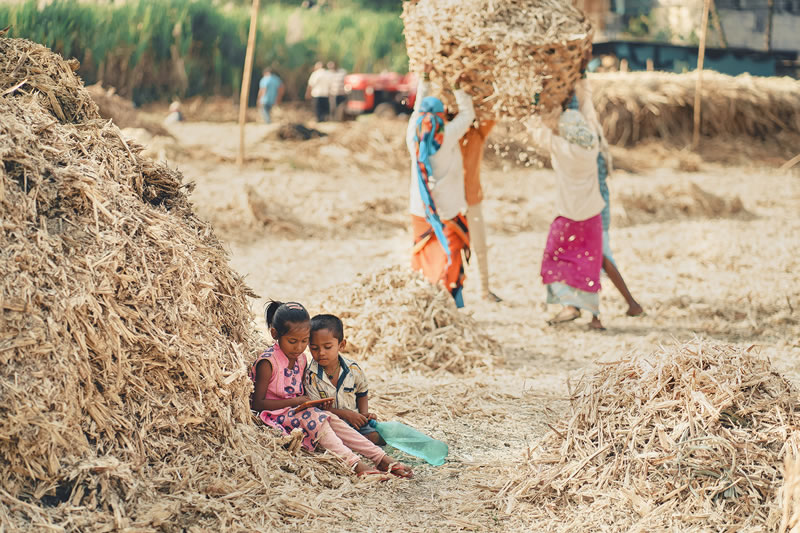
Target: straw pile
(686, 437)
(124, 334)
(671, 203)
(634, 106)
(293, 131)
(395, 316)
(509, 50)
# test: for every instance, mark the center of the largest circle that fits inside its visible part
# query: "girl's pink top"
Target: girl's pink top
(287, 383)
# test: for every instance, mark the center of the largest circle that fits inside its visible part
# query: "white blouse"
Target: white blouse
(447, 182)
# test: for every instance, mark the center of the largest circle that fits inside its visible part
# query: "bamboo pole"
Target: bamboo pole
(248, 70)
(717, 22)
(701, 54)
(790, 163)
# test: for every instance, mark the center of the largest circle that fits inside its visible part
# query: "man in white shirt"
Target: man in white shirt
(319, 89)
(437, 197)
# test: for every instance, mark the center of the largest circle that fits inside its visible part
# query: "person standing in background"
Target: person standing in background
(472, 144)
(318, 89)
(270, 93)
(175, 113)
(337, 94)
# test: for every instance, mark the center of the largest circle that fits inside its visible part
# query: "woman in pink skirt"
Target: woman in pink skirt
(573, 255)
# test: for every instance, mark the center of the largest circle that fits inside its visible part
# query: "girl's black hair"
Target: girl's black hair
(281, 316)
(331, 323)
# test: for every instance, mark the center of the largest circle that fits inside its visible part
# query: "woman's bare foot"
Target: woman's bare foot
(567, 314)
(489, 296)
(634, 309)
(596, 325)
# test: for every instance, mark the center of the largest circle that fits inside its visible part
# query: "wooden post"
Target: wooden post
(698, 87)
(248, 70)
(768, 32)
(786, 166)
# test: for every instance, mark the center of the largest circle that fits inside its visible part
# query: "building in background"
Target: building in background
(756, 36)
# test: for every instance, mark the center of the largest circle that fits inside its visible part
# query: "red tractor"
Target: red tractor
(385, 94)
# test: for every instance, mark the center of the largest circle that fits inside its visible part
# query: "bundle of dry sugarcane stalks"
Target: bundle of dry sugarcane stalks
(510, 51)
(395, 317)
(692, 437)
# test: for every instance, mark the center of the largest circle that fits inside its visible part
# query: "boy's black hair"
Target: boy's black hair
(281, 316)
(330, 322)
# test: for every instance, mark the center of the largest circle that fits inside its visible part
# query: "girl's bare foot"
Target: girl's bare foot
(634, 309)
(388, 464)
(361, 467)
(596, 325)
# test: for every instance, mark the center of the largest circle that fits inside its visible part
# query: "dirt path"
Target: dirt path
(733, 279)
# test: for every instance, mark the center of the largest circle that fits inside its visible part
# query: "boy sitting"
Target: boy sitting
(330, 375)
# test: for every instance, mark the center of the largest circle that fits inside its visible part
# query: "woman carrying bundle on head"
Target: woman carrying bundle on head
(573, 255)
(582, 101)
(437, 194)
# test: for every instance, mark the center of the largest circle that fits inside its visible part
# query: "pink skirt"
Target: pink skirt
(573, 254)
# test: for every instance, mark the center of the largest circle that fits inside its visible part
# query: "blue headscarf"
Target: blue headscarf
(428, 137)
(573, 103)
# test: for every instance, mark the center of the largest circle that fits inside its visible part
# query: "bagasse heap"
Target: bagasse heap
(396, 317)
(124, 334)
(697, 431)
(509, 50)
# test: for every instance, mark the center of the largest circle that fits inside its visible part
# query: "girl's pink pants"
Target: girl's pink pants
(339, 438)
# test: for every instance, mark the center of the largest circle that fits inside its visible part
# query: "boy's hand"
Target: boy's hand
(355, 419)
(372, 416)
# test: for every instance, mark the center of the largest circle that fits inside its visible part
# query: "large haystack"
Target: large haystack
(635, 106)
(510, 50)
(124, 334)
(395, 316)
(693, 437)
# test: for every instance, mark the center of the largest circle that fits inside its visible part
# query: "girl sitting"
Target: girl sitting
(278, 395)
